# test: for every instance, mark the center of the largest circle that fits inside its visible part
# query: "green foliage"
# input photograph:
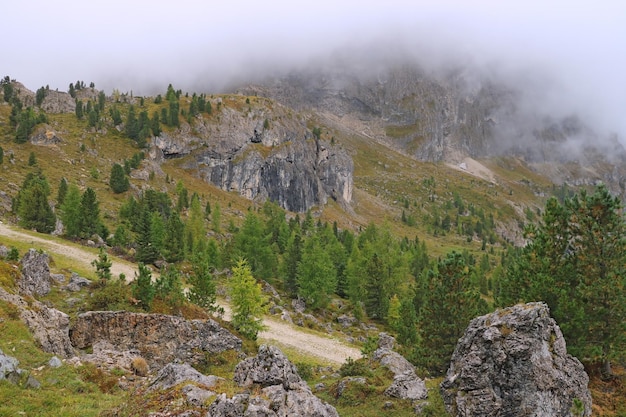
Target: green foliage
(32, 159)
(118, 182)
(316, 276)
(103, 265)
(251, 243)
(142, 288)
(447, 303)
(575, 262)
(31, 204)
(62, 191)
(113, 294)
(71, 212)
(350, 367)
(168, 288)
(202, 289)
(248, 301)
(90, 222)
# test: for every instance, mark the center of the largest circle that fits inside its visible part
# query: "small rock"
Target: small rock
(77, 283)
(55, 362)
(196, 396)
(320, 387)
(173, 374)
(59, 278)
(31, 382)
(298, 305)
(345, 320)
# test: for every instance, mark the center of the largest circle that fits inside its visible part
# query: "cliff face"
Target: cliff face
(451, 115)
(263, 152)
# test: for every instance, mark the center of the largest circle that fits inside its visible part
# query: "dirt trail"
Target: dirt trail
(326, 348)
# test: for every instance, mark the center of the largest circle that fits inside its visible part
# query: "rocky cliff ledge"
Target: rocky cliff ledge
(159, 338)
(514, 362)
(263, 151)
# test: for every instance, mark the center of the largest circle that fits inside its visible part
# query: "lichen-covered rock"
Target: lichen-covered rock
(35, 278)
(406, 384)
(49, 326)
(269, 367)
(159, 338)
(173, 374)
(77, 283)
(284, 393)
(9, 368)
(514, 362)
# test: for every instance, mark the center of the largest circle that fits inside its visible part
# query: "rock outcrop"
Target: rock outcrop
(283, 392)
(514, 362)
(406, 384)
(50, 327)
(9, 368)
(173, 374)
(280, 160)
(160, 339)
(35, 278)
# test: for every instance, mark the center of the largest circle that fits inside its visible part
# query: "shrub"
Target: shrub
(139, 366)
(354, 368)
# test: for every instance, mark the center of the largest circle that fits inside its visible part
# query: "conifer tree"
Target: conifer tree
(31, 204)
(248, 301)
(203, 290)
(103, 265)
(142, 287)
(316, 275)
(91, 224)
(70, 212)
(118, 182)
(449, 305)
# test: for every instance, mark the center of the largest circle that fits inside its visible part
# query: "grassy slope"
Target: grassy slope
(384, 181)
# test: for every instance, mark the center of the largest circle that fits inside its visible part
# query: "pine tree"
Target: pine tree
(316, 275)
(203, 290)
(70, 212)
(103, 266)
(132, 124)
(31, 204)
(292, 258)
(173, 245)
(248, 301)
(143, 289)
(118, 182)
(146, 252)
(79, 109)
(91, 224)
(575, 262)
(450, 302)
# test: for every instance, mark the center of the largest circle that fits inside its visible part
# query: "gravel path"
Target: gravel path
(326, 348)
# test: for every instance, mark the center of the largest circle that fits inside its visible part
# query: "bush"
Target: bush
(355, 368)
(139, 366)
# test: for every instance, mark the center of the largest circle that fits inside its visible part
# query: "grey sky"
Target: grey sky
(579, 47)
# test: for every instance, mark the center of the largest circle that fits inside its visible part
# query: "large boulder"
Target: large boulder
(406, 384)
(269, 367)
(514, 362)
(159, 338)
(283, 392)
(35, 278)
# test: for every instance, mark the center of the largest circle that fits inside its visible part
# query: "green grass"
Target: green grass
(64, 392)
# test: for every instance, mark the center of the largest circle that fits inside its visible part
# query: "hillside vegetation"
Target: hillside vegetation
(421, 248)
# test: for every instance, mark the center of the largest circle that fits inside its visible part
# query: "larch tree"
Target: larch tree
(248, 301)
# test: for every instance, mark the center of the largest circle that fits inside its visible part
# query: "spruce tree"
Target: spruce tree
(31, 204)
(203, 290)
(118, 182)
(70, 212)
(91, 224)
(103, 266)
(143, 288)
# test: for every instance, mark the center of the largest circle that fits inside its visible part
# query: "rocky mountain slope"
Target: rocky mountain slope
(450, 115)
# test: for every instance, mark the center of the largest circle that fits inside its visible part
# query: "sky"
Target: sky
(573, 52)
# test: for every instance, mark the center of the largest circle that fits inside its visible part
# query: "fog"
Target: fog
(566, 56)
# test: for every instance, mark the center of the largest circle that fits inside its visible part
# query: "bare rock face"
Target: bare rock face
(35, 279)
(160, 339)
(50, 327)
(173, 374)
(406, 384)
(284, 393)
(281, 161)
(514, 362)
(45, 136)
